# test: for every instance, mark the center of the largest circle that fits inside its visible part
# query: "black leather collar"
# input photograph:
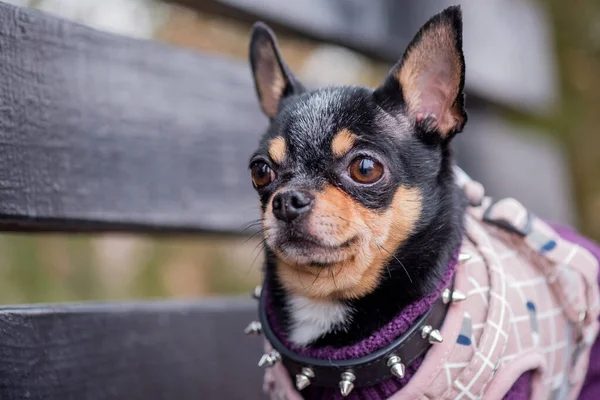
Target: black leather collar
(364, 371)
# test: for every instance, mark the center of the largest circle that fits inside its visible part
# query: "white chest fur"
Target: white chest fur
(311, 319)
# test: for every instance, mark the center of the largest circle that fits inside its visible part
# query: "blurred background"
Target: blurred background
(533, 84)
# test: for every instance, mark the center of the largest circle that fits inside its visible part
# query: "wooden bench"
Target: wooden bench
(100, 133)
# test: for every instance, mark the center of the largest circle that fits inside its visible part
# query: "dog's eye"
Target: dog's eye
(365, 170)
(262, 174)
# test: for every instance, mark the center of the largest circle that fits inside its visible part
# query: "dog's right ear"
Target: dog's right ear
(272, 77)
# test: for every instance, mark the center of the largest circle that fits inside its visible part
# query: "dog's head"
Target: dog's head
(346, 175)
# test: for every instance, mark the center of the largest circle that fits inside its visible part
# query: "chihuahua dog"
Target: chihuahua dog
(360, 209)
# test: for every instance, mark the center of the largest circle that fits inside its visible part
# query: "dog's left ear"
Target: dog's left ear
(428, 81)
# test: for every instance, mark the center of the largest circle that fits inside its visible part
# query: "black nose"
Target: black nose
(288, 205)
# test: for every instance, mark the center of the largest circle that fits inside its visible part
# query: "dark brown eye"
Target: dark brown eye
(365, 170)
(262, 174)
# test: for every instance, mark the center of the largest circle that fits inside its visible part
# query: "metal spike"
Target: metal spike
(303, 378)
(446, 294)
(253, 328)
(458, 296)
(256, 292)
(398, 370)
(433, 335)
(346, 387)
(269, 359)
(455, 296)
(464, 257)
(396, 366)
(265, 361)
(346, 384)
(302, 381)
(425, 331)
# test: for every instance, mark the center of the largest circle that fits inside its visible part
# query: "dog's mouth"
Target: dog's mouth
(306, 250)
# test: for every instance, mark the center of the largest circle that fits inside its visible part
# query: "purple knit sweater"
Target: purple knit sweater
(521, 390)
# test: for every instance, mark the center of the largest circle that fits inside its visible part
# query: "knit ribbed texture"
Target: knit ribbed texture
(521, 389)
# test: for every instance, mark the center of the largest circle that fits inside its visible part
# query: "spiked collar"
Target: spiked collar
(384, 355)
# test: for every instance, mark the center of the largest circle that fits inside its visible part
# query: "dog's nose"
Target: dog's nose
(290, 204)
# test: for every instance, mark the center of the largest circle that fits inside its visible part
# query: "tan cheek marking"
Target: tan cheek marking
(399, 222)
(277, 149)
(322, 284)
(388, 231)
(380, 235)
(342, 142)
(336, 210)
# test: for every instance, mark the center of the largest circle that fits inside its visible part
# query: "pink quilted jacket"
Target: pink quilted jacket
(532, 305)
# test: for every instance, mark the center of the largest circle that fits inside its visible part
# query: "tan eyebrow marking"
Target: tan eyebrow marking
(277, 149)
(342, 142)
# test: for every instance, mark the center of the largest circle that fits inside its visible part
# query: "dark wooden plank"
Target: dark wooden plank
(100, 132)
(145, 351)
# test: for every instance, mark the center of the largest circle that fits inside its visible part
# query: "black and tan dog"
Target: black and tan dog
(356, 186)
(361, 212)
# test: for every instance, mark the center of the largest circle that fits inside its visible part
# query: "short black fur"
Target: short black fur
(414, 156)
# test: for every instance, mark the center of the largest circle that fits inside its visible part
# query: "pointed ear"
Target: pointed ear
(272, 78)
(429, 79)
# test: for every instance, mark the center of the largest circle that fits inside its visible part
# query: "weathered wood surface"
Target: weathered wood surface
(137, 351)
(100, 132)
(508, 45)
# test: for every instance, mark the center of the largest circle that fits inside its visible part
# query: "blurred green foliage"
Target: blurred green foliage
(56, 268)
